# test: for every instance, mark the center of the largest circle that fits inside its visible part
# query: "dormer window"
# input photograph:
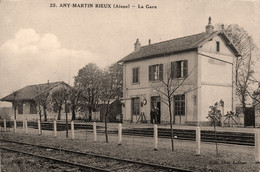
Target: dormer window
(217, 46)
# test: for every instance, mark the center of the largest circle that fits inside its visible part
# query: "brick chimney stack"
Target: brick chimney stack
(137, 45)
(209, 27)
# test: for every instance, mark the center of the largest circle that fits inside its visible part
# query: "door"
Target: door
(156, 109)
(249, 117)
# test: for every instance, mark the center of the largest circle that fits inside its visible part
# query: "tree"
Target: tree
(15, 102)
(174, 80)
(60, 96)
(57, 99)
(89, 79)
(111, 89)
(75, 97)
(215, 115)
(42, 100)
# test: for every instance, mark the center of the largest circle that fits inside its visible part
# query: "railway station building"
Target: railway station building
(201, 71)
(24, 101)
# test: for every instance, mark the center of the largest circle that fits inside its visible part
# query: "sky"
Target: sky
(40, 43)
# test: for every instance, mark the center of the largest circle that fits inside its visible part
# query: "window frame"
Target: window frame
(217, 46)
(180, 105)
(20, 108)
(179, 69)
(135, 103)
(158, 76)
(135, 75)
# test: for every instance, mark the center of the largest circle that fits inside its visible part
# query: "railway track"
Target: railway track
(237, 138)
(81, 160)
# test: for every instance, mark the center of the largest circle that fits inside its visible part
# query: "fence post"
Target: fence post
(39, 127)
(5, 125)
(257, 145)
(95, 131)
(26, 128)
(55, 128)
(119, 134)
(15, 125)
(72, 129)
(198, 140)
(155, 137)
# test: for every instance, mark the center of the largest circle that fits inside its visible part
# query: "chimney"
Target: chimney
(222, 26)
(137, 45)
(149, 42)
(209, 27)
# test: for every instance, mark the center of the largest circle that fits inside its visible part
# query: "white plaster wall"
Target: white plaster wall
(144, 89)
(216, 76)
(212, 94)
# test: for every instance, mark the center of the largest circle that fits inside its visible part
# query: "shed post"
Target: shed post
(39, 127)
(257, 145)
(15, 125)
(155, 137)
(5, 125)
(72, 129)
(119, 134)
(198, 140)
(55, 128)
(95, 131)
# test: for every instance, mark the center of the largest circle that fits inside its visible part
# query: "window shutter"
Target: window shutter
(137, 74)
(175, 68)
(133, 75)
(161, 72)
(185, 68)
(150, 73)
(172, 69)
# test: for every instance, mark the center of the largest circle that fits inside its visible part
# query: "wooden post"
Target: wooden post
(72, 129)
(119, 134)
(5, 125)
(198, 140)
(95, 131)
(39, 127)
(23, 124)
(55, 128)
(26, 128)
(257, 145)
(155, 137)
(15, 125)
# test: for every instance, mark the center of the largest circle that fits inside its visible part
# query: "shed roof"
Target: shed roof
(31, 91)
(177, 45)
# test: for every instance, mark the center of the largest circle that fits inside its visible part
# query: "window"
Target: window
(156, 72)
(179, 104)
(136, 106)
(135, 75)
(217, 46)
(179, 69)
(33, 108)
(20, 108)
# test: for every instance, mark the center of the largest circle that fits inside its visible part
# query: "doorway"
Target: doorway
(155, 110)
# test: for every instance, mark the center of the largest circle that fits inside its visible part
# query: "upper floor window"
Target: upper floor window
(217, 46)
(179, 69)
(135, 75)
(156, 72)
(179, 104)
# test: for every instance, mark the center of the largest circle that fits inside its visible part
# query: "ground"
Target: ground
(230, 158)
